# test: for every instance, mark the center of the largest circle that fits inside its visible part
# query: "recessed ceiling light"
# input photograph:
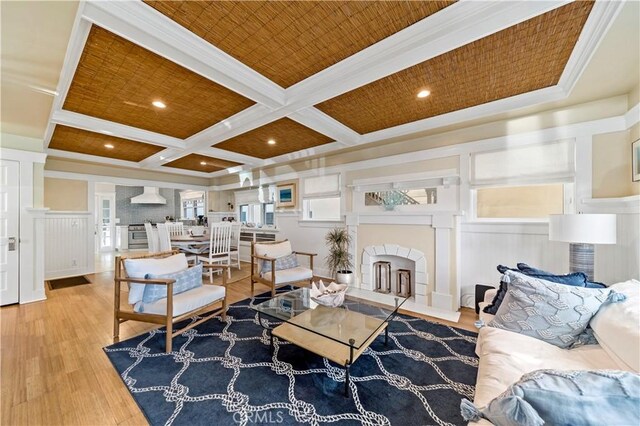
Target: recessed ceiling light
(108, 146)
(423, 93)
(158, 104)
(203, 163)
(271, 142)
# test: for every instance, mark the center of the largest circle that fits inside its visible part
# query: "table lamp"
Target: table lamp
(582, 231)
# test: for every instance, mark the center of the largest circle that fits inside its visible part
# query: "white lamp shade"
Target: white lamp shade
(583, 228)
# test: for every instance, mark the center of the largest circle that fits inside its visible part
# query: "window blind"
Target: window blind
(555, 160)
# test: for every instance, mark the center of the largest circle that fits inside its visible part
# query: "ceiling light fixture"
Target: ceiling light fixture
(163, 158)
(108, 146)
(271, 142)
(106, 132)
(423, 93)
(203, 163)
(158, 104)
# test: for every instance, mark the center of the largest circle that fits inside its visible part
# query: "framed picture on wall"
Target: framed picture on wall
(286, 195)
(635, 160)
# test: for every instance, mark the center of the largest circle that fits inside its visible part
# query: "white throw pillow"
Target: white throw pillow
(616, 325)
(138, 268)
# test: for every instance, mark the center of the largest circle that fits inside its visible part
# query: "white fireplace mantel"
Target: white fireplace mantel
(444, 302)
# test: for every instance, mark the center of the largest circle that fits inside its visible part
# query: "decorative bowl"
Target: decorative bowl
(197, 231)
(331, 295)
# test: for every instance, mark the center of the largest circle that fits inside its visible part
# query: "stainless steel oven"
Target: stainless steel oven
(137, 237)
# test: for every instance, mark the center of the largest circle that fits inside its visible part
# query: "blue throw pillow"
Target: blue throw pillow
(551, 397)
(531, 271)
(285, 262)
(555, 313)
(185, 280)
(577, 279)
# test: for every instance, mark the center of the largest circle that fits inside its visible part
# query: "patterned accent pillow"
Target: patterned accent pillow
(185, 280)
(552, 397)
(577, 278)
(284, 262)
(530, 270)
(554, 313)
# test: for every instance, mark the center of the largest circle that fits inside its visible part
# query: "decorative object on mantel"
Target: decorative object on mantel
(403, 282)
(286, 195)
(339, 259)
(382, 276)
(635, 160)
(582, 231)
(391, 199)
(331, 295)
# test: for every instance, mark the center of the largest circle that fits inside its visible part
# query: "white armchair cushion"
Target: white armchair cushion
(187, 301)
(273, 250)
(616, 326)
(299, 273)
(139, 268)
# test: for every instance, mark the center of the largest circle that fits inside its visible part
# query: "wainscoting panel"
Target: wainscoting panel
(485, 246)
(620, 262)
(69, 246)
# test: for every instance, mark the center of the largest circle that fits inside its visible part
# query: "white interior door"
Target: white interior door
(105, 223)
(9, 216)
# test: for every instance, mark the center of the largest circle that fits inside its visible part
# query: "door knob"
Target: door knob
(12, 243)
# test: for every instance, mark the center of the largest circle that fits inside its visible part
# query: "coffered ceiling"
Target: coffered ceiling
(200, 88)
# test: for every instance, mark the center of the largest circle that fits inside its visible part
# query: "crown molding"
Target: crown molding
(92, 124)
(122, 181)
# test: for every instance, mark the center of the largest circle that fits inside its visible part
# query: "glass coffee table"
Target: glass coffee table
(339, 334)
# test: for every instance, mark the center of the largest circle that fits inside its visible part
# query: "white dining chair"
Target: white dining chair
(219, 246)
(164, 239)
(235, 243)
(175, 228)
(152, 238)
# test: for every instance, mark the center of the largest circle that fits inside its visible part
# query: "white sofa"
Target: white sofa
(506, 356)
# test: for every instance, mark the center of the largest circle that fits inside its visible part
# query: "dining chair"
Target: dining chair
(219, 246)
(175, 228)
(235, 243)
(164, 239)
(152, 238)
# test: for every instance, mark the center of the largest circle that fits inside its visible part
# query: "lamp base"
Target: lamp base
(581, 259)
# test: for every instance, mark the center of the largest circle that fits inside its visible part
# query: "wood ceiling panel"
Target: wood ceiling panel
(77, 140)
(526, 57)
(117, 80)
(289, 41)
(289, 136)
(194, 162)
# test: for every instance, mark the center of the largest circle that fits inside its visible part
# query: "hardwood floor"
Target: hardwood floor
(52, 366)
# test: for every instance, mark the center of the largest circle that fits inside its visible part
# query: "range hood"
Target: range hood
(151, 195)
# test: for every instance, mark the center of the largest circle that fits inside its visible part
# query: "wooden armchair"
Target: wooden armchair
(210, 299)
(270, 252)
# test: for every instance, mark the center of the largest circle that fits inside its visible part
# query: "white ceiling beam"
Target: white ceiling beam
(146, 27)
(455, 26)
(223, 154)
(317, 120)
(111, 128)
(79, 34)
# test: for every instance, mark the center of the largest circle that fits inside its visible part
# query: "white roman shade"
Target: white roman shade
(250, 196)
(554, 161)
(322, 186)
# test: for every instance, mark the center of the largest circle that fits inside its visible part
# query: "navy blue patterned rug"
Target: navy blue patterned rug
(223, 374)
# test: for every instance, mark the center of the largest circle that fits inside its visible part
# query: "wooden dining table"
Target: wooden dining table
(193, 243)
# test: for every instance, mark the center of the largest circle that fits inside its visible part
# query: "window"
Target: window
(262, 213)
(533, 201)
(321, 198)
(192, 204)
(529, 182)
